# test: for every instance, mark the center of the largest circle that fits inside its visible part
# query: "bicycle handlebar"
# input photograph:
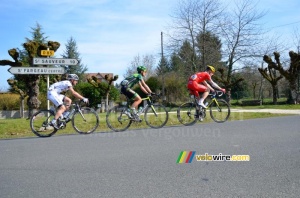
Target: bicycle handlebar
(217, 93)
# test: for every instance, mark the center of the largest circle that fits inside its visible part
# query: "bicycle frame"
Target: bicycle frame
(188, 113)
(155, 115)
(149, 103)
(85, 122)
(213, 98)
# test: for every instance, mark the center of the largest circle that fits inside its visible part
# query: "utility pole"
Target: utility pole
(163, 69)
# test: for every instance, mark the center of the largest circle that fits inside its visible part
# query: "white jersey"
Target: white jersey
(54, 92)
(60, 86)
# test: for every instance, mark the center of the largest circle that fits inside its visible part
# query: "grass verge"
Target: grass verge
(20, 128)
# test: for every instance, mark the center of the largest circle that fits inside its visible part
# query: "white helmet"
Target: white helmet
(72, 77)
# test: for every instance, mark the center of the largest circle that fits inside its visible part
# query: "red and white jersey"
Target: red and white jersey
(60, 86)
(200, 77)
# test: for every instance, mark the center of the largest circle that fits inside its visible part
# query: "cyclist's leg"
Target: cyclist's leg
(132, 95)
(194, 89)
(205, 91)
(57, 100)
(67, 102)
(136, 101)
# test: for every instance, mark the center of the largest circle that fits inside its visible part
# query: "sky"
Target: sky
(110, 33)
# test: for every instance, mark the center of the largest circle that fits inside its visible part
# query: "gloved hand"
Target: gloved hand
(223, 90)
(85, 100)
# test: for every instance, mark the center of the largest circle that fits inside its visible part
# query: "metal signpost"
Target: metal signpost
(45, 70)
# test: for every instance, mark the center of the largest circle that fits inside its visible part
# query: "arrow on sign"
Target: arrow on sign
(36, 70)
(55, 61)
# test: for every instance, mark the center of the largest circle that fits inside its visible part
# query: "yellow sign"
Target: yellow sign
(47, 52)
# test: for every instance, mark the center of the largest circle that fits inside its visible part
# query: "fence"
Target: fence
(24, 114)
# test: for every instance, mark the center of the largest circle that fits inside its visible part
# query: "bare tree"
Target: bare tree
(296, 39)
(192, 19)
(147, 60)
(241, 35)
(269, 45)
(290, 74)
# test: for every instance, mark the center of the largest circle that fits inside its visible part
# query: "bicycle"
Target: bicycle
(119, 118)
(85, 120)
(188, 113)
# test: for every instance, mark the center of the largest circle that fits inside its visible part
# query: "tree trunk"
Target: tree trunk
(274, 88)
(293, 95)
(228, 95)
(33, 92)
(106, 102)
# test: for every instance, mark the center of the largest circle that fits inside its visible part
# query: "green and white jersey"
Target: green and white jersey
(132, 80)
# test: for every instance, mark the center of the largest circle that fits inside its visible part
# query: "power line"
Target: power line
(284, 25)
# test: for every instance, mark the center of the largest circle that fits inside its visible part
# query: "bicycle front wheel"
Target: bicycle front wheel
(40, 123)
(219, 111)
(85, 121)
(117, 120)
(187, 113)
(156, 116)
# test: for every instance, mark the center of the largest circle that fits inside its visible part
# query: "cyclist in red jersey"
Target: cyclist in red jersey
(198, 83)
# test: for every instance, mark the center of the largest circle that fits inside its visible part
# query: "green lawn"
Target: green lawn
(18, 128)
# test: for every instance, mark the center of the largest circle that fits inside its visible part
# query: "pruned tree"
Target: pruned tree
(290, 74)
(13, 85)
(29, 84)
(97, 84)
(269, 73)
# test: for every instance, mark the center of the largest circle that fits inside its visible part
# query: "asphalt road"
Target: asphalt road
(142, 163)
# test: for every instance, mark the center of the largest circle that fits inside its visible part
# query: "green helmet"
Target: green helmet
(141, 68)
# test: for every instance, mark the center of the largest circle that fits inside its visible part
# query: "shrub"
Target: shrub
(9, 101)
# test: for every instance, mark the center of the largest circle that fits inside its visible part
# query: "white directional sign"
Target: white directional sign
(36, 70)
(55, 61)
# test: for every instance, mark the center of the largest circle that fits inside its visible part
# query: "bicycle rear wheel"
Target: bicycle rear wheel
(219, 111)
(156, 116)
(186, 114)
(117, 120)
(40, 123)
(85, 121)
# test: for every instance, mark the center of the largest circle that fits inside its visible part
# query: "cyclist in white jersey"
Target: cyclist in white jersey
(62, 102)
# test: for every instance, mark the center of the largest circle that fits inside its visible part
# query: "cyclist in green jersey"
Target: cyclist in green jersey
(129, 82)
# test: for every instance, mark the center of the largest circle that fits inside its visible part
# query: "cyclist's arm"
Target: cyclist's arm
(144, 87)
(76, 94)
(208, 85)
(214, 84)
